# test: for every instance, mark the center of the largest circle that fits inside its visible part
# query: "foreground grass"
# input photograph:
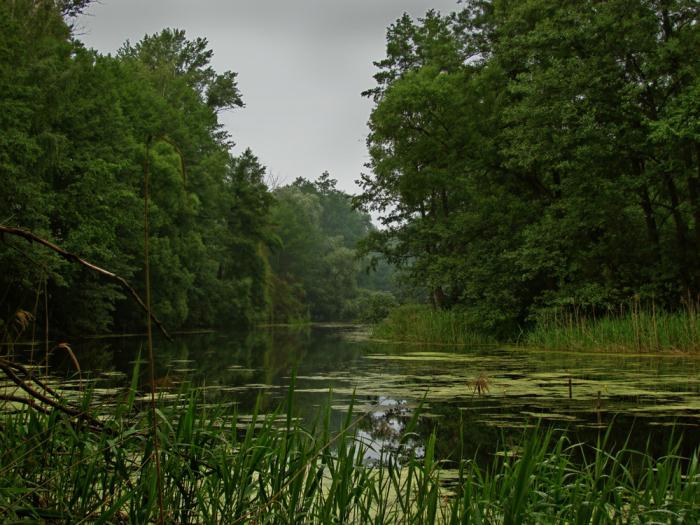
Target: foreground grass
(422, 324)
(271, 470)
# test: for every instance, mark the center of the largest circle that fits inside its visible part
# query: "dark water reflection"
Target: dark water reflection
(641, 397)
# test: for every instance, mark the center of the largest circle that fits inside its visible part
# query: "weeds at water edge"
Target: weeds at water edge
(217, 468)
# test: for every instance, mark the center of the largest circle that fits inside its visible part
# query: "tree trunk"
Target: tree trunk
(650, 219)
(694, 198)
(438, 298)
(681, 231)
(647, 208)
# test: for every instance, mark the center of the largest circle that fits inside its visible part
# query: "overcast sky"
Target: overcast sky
(301, 68)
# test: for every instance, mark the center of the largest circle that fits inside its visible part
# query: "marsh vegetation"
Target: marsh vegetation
(403, 436)
(438, 432)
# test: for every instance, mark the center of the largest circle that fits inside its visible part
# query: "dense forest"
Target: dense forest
(524, 156)
(80, 129)
(529, 155)
(316, 272)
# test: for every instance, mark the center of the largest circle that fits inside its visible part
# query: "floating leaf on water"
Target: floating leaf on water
(552, 416)
(113, 374)
(512, 452)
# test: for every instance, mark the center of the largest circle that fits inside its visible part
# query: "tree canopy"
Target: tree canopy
(75, 128)
(79, 130)
(318, 231)
(531, 154)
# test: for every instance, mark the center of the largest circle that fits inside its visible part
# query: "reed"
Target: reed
(632, 328)
(273, 469)
(422, 324)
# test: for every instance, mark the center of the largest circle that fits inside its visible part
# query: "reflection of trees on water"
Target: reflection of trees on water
(384, 432)
(467, 437)
(233, 367)
(237, 368)
(92, 356)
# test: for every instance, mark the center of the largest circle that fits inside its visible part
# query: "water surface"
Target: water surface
(489, 395)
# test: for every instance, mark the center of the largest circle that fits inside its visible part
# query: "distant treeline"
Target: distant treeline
(529, 154)
(78, 130)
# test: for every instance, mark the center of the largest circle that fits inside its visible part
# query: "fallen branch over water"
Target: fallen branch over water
(71, 257)
(48, 397)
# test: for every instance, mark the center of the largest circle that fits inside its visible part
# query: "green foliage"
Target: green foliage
(75, 126)
(629, 329)
(318, 231)
(530, 154)
(370, 306)
(421, 324)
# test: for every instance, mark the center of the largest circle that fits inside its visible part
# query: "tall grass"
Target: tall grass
(422, 324)
(216, 470)
(631, 329)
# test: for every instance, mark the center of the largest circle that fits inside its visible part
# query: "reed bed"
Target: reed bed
(422, 324)
(631, 329)
(215, 469)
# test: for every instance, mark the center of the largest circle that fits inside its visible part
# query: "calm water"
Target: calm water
(642, 397)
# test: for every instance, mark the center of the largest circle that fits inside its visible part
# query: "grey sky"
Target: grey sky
(301, 67)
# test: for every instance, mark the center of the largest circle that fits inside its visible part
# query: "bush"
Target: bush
(370, 306)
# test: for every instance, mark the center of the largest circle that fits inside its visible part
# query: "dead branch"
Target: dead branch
(25, 401)
(31, 237)
(28, 374)
(7, 368)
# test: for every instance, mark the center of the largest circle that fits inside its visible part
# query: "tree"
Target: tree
(77, 131)
(529, 154)
(315, 262)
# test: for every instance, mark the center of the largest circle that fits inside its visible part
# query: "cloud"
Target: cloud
(302, 66)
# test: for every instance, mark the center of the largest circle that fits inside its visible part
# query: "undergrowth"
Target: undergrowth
(632, 329)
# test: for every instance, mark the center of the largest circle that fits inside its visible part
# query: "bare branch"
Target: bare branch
(31, 237)
(7, 368)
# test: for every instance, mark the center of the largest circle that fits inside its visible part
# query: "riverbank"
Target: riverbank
(218, 466)
(422, 324)
(634, 330)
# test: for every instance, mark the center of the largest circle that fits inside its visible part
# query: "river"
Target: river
(481, 399)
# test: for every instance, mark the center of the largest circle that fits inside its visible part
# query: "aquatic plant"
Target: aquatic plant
(422, 324)
(220, 468)
(481, 384)
(631, 328)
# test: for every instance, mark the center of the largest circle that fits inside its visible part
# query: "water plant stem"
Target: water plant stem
(149, 332)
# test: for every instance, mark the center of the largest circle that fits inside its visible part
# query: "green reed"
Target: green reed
(630, 328)
(422, 324)
(217, 468)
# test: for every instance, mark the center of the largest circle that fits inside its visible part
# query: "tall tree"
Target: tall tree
(525, 154)
(78, 130)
